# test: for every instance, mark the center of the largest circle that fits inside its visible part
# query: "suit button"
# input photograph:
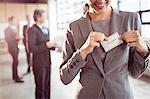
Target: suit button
(77, 60)
(147, 61)
(69, 61)
(71, 67)
(74, 63)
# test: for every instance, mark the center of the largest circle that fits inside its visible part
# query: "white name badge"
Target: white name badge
(113, 41)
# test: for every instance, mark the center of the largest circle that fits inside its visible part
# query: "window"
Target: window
(67, 11)
(141, 6)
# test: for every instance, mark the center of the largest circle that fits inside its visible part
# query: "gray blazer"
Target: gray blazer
(108, 80)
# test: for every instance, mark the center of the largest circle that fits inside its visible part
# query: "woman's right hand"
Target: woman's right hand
(92, 41)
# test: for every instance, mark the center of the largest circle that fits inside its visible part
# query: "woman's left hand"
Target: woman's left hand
(134, 39)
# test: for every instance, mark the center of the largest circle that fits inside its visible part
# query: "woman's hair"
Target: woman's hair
(37, 13)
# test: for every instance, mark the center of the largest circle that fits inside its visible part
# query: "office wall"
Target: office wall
(19, 10)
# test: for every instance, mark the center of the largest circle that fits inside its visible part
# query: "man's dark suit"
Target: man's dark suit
(10, 37)
(41, 61)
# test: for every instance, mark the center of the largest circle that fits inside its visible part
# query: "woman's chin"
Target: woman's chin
(100, 11)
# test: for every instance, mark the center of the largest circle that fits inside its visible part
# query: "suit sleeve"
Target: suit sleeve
(33, 46)
(24, 30)
(6, 36)
(72, 61)
(137, 64)
(24, 36)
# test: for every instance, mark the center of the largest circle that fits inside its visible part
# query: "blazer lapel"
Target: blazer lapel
(38, 29)
(117, 23)
(42, 34)
(85, 29)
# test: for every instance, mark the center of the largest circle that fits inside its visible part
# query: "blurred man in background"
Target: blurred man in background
(40, 45)
(12, 41)
(25, 41)
(86, 9)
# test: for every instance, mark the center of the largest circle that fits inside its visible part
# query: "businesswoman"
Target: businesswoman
(104, 75)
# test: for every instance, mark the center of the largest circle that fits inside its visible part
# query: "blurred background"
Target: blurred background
(60, 14)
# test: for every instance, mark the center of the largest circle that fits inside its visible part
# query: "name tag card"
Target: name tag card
(113, 41)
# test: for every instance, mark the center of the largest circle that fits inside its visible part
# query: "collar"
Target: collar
(39, 25)
(114, 11)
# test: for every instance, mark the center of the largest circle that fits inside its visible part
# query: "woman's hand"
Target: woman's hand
(134, 39)
(92, 41)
